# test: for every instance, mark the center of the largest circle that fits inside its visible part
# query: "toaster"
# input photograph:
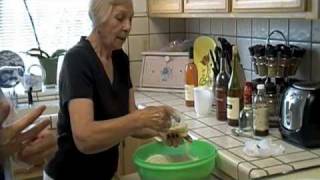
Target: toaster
(300, 121)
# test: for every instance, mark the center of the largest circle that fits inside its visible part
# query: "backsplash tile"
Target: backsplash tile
(135, 69)
(300, 30)
(281, 25)
(205, 26)
(139, 25)
(260, 28)
(157, 32)
(229, 27)
(244, 27)
(159, 25)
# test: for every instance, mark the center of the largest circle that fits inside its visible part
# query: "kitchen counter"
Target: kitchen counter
(231, 161)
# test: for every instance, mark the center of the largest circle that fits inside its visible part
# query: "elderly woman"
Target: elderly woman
(97, 106)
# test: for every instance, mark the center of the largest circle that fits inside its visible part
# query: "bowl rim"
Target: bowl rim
(211, 156)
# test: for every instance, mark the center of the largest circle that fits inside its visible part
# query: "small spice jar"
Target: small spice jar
(272, 62)
(297, 54)
(261, 60)
(253, 59)
(284, 55)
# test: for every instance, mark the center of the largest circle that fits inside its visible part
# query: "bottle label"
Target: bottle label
(188, 89)
(233, 108)
(221, 99)
(260, 116)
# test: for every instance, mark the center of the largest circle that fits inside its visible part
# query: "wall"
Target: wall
(147, 33)
(247, 32)
(153, 33)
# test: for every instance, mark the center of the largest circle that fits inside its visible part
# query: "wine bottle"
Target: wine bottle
(234, 96)
(191, 80)
(221, 89)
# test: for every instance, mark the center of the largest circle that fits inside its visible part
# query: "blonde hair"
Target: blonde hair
(99, 10)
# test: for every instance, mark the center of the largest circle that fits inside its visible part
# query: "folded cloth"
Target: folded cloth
(262, 148)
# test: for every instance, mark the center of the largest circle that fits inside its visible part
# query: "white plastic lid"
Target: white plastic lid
(260, 86)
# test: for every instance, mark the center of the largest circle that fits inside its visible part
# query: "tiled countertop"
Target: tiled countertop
(231, 159)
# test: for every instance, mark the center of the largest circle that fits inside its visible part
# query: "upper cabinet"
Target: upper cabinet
(165, 6)
(268, 5)
(308, 9)
(204, 6)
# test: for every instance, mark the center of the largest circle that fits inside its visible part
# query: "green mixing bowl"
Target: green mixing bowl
(198, 169)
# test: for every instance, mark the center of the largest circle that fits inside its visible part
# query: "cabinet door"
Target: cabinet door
(206, 6)
(268, 5)
(165, 6)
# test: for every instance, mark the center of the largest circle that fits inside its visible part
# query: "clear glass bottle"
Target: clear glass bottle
(272, 102)
(191, 80)
(246, 115)
(221, 88)
(234, 96)
(260, 113)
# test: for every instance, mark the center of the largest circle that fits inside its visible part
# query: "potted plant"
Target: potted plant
(49, 63)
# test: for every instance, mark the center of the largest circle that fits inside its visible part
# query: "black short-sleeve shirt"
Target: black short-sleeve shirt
(82, 76)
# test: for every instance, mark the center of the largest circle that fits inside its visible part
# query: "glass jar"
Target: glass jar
(283, 70)
(262, 66)
(272, 67)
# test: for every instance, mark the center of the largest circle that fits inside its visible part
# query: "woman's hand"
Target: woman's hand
(13, 138)
(41, 149)
(155, 118)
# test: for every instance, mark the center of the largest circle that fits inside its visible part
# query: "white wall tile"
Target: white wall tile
(243, 45)
(157, 41)
(192, 36)
(159, 25)
(260, 28)
(300, 30)
(137, 44)
(244, 27)
(192, 25)
(140, 7)
(177, 25)
(316, 31)
(279, 24)
(135, 70)
(229, 27)
(177, 36)
(216, 26)
(205, 26)
(140, 25)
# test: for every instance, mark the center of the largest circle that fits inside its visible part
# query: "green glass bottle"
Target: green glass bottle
(234, 95)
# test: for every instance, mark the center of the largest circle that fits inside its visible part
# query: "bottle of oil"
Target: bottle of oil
(191, 80)
(234, 96)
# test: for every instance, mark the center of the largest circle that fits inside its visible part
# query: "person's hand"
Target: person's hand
(155, 118)
(13, 138)
(39, 150)
(175, 135)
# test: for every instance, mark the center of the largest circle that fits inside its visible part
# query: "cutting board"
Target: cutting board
(202, 59)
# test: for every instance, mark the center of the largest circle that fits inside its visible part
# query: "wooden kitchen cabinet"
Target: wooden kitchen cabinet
(268, 6)
(165, 6)
(206, 6)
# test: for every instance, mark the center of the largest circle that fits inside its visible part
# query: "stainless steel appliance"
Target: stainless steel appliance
(300, 114)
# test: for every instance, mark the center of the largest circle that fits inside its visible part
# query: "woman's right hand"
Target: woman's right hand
(157, 118)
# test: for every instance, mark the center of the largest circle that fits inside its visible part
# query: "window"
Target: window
(59, 24)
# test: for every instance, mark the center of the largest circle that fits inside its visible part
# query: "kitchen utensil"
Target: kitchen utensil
(300, 114)
(216, 68)
(198, 168)
(204, 64)
(227, 49)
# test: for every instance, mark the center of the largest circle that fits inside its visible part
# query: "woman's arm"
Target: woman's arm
(95, 136)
